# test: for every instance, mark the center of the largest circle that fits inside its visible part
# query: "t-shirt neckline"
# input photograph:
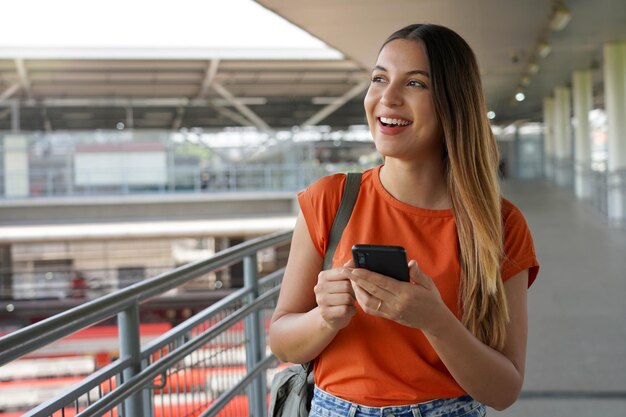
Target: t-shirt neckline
(380, 189)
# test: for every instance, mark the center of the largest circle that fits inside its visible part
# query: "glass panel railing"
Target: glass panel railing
(121, 163)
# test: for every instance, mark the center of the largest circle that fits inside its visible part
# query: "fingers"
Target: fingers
(333, 288)
(369, 303)
(380, 295)
(418, 277)
(336, 299)
(341, 312)
(337, 317)
(376, 284)
(337, 274)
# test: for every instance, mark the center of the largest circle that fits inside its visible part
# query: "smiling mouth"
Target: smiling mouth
(391, 122)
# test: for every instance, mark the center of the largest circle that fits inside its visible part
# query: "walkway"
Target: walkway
(576, 362)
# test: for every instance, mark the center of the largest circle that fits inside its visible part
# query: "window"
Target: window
(129, 275)
(52, 278)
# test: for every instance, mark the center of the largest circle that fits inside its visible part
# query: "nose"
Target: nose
(391, 96)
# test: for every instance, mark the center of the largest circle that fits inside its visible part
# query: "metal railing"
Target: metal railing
(599, 185)
(616, 201)
(56, 182)
(602, 189)
(215, 362)
(83, 284)
(43, 183)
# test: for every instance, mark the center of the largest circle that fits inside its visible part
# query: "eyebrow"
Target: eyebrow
(414, 72)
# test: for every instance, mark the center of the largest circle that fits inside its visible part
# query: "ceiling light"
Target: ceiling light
(324, 100)
(491, 115)
(533, 68)
(520, 96)
(543, 49)
(247, 101)
(560, 18)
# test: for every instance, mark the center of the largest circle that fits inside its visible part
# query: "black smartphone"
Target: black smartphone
(386, 260)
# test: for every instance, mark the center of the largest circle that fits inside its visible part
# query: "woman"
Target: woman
(453, 339)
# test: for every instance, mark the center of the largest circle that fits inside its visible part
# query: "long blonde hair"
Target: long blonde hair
(471, 158)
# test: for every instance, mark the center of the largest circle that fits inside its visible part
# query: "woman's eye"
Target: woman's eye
(377, 79)
(415, 83)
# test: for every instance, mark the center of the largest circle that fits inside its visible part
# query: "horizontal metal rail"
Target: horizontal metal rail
(45, 182)
(31, 338)
(190, 323)
(142, 379)
(215, 408)
(85, 385)
(127, 386)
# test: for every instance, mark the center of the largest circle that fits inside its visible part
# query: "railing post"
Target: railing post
(130, 346)
(148, 408)
(197, 179)
(268, 178)
(125, 185)
(49, 185)
(255, 346)
(232, 178)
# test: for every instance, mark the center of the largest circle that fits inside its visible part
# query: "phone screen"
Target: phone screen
(386, 260)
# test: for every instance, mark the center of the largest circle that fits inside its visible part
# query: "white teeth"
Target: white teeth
(397, 122)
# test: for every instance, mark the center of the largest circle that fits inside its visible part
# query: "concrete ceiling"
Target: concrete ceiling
(86, 94)
(503, 34)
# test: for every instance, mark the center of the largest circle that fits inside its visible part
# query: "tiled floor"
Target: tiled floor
(576, 362)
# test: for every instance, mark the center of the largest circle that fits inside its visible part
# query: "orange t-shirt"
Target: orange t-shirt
(375, 361)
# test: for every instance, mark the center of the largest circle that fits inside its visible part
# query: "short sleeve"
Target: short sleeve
(319, 203)
(519, 248)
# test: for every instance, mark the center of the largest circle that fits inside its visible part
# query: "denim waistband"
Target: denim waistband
(325, 404)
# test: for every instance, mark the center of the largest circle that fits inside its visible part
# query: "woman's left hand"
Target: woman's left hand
(416, 304)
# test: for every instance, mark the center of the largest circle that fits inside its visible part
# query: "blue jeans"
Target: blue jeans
(327, 405)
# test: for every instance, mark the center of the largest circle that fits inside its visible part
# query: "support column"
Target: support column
(6, 272)
(563, 167)
(130, 347)
(583, 101)
(15, 116)
(16, 182)
(548, 137)
(615, 99)
(255, 346)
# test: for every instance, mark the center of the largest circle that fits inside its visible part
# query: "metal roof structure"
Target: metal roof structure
(171, 94)
(509, 39)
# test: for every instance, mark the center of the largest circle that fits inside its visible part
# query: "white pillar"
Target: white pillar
(615, 101)
(15, 116)
(583, 101)
(548, 136)
(563, 170)
(16, 182)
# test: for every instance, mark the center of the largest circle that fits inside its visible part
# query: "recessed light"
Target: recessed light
(544, 49)
(533, 68)
(560, 18)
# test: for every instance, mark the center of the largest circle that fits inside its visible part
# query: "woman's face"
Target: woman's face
(399, 103)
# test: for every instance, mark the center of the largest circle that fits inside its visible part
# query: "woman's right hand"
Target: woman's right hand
(335, 296)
